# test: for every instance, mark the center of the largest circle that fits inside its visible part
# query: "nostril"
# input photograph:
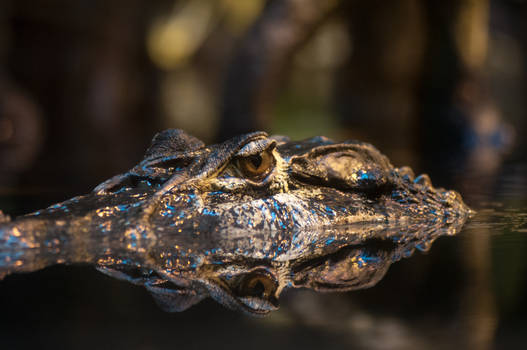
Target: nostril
(454, 200)
(454, 196)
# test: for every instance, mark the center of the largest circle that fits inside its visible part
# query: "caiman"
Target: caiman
(240, 221)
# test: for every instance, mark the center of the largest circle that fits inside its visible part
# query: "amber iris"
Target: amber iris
(256, 166)
(258, 285)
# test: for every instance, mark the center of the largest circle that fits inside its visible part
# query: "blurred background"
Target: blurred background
(437, 85)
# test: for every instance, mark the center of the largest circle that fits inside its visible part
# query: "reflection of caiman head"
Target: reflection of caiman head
(242, 220)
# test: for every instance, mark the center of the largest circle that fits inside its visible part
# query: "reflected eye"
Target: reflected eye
(256, 166)
(257, 285)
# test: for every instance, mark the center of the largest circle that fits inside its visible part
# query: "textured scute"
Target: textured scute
(240, 221)
(173, 140)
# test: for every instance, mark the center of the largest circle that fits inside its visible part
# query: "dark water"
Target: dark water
(468, 291)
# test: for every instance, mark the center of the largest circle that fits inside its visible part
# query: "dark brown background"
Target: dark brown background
(438, 85)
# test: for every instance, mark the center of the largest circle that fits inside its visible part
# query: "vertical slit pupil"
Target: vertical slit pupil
(256, 160)
(259, 289)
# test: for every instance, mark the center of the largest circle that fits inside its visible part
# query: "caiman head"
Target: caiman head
(241, 220)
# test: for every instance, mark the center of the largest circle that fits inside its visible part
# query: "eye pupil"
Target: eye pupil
(256, 161)
(256, 166)
(258, 286)
(259, 289)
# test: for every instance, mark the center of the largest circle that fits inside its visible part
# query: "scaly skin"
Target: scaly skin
(240, 221)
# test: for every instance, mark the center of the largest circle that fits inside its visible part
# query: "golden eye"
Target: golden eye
(256, 166)
(258, 286)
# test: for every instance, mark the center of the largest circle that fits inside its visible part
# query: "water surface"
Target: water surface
(469, 290)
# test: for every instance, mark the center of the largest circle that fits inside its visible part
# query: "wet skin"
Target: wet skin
(240, 221)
